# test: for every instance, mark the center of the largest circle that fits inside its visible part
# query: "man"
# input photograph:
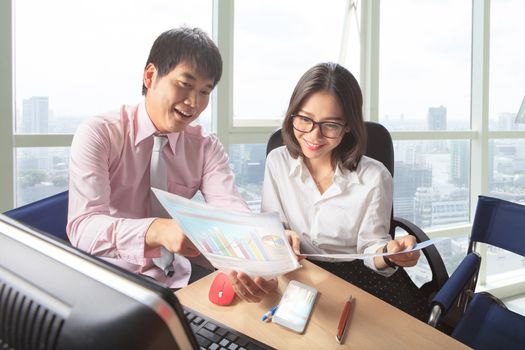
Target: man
(109, 191)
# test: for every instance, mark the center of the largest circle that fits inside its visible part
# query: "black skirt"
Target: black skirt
(398, 290)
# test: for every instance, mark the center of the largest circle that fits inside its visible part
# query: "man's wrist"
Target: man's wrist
(387, 261)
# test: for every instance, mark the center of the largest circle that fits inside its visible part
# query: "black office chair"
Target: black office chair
(48, 215)
(380, 147)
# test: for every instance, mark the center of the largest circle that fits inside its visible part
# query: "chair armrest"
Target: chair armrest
(439, 271)
(461, 280)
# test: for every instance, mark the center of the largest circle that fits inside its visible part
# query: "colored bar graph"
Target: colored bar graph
(249, 247)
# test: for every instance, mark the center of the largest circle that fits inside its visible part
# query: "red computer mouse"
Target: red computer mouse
(221, 291)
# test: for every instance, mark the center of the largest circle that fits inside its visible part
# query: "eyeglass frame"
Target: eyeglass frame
(319, 124)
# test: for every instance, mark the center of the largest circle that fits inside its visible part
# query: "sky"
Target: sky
(88, 56)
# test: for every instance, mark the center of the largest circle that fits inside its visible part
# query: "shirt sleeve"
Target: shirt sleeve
(271, 200)
(218, 182)
(90, 226)
(374, 233)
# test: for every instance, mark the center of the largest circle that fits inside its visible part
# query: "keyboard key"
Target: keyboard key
(210, 335)
(221, 331)
(211, 327)
(202, 341)
(243, 341)
(231, 336)
(224, 342)
(197, 320)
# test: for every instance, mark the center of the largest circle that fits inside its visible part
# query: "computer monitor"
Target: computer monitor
(54, 296)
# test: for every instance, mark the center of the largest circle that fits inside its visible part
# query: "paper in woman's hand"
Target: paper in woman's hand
(350, 257)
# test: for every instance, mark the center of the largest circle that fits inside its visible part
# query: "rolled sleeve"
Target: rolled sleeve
(375, 228)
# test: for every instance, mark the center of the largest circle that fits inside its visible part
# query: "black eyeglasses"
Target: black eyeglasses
(330, 130)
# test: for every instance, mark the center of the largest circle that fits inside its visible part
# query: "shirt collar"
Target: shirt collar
(145, 128)
(144, 125)
(298, 168)
(342, 176)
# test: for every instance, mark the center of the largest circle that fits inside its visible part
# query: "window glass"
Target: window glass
(431, 182)
(40, 172)
(507, 76)
(506, 178)
(424, 81)
(501, 261)
(275, 43)
(75, 59)
(452, 251)
(247, 162)
(507, 169)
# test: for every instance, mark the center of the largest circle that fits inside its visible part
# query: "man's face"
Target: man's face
(176, 99)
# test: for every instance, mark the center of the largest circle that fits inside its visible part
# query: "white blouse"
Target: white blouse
(351, 216)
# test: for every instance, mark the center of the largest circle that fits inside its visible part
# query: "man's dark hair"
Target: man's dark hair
(338, 81)
(192, 45)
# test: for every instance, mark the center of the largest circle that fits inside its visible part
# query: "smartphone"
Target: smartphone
(295, 306)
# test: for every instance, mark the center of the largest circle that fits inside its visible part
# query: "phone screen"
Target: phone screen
(295, 306)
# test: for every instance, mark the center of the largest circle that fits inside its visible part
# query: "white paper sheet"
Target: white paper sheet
(350, 257)
(231, 240)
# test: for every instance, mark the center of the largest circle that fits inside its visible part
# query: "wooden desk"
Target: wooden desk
(374, 324)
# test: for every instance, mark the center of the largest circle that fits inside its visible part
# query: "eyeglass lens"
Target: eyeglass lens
(328, 129)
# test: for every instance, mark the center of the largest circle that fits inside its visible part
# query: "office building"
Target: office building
(35, 115)
(459, 160)
(408, 178)
(437, 118)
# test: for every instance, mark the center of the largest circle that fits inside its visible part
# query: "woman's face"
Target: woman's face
(321, 107)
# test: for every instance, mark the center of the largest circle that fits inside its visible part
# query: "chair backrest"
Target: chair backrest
(48, 215)
(499, 223)
(379, 144)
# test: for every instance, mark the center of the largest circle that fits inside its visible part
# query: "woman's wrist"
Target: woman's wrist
(387, 261)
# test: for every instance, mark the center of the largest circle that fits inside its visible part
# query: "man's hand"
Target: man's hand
(251, 290)
(167, 233)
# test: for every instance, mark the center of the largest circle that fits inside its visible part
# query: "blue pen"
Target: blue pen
(268, 316)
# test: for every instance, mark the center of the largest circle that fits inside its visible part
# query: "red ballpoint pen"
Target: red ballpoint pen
(343, 321)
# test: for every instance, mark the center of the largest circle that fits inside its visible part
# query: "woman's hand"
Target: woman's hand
(404, 259)
(251, 290)
(295, 242)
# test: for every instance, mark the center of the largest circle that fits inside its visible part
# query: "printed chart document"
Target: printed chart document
(232, 240)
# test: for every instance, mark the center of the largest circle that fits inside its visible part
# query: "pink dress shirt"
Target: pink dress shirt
(109, 186)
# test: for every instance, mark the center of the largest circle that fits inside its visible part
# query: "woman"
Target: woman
(335, 198)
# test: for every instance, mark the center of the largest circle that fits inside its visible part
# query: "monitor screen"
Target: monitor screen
(54, 296)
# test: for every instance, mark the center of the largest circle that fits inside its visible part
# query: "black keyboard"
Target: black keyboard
(213, 335)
